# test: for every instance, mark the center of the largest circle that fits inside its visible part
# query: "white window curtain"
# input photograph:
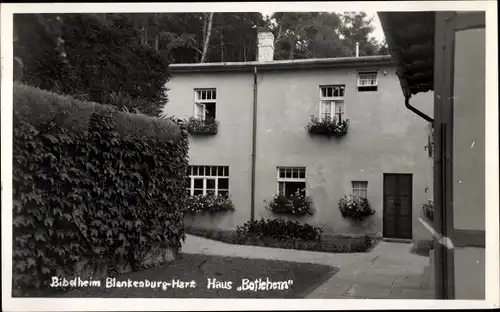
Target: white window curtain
(200, 110)
(339, 110)
(325, 109)
(360, 188)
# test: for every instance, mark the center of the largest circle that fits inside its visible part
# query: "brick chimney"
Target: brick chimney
(265, 52)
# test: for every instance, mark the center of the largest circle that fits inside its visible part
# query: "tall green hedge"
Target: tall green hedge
(90, 182)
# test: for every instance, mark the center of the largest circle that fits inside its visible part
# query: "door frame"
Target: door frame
(410, 205)
(447, 24)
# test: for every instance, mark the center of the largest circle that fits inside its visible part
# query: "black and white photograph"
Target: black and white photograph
(341, 150)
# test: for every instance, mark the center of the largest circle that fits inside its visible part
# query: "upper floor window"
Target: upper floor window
(291, 180)
(205, 180)
(205, 101)
(332, 92)
(367, 81)
(360, 188)
(331, 103)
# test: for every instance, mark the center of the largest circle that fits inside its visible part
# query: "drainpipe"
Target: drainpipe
(416, 111)
(254, 145)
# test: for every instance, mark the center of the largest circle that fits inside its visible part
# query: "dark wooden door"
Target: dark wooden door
(398, 206)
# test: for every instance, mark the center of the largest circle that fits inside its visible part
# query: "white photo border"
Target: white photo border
(73, 304)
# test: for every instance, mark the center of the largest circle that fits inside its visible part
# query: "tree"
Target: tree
(39, 54)
(356, 27)
(383, 48)
(233, 36)
(317, 35)
(180, 36)
(187, 37)
(293, 33)
(207, 31)
(104, 55)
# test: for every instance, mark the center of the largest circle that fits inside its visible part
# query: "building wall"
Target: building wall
(469, 158)
(467, 84)
(470, 273)
(383, 137)
(232, 146)
(469, 130)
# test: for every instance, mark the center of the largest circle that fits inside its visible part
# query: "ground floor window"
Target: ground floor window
(205, 180)
(360, 188)
(291, 180)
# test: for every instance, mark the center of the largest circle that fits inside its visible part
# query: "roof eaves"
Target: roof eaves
(282, 64)
(411, 43)
(394, 51)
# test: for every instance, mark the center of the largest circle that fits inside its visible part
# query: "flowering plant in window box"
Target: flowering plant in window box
(328, 126)
(296, 204)
(354, 207)
(208, 203)
(428, 209)
(202, 126)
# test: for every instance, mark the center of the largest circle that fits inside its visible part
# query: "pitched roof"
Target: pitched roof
(410, 36)
(284, 64)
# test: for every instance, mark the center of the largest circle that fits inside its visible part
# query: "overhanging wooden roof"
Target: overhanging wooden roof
(410, 37)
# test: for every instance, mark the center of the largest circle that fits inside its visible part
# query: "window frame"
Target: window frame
(285, 179)
(333, 101)
(364, 188)
(206, 177)
(367, 72)
(200, 104)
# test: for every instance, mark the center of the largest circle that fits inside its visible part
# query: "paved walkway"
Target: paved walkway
(389, 271)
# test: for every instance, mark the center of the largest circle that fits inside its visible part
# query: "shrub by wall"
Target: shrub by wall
(257, 233)
(280, 229)
(91, 185)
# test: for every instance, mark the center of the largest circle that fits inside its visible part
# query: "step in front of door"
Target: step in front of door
(397, 240)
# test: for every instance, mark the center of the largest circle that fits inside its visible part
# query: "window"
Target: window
(367, 81)
(205, 180)
(331, 104)
(332, 92)
(204, 103)
(360, 188)
(291, 180)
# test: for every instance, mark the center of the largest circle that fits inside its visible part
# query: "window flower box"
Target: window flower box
(296, 204)
(356, 208)
(207, 126)
(428, 209)
(327, 126)
(208, 203)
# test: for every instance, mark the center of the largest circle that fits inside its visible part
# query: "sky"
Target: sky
(378, 33)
